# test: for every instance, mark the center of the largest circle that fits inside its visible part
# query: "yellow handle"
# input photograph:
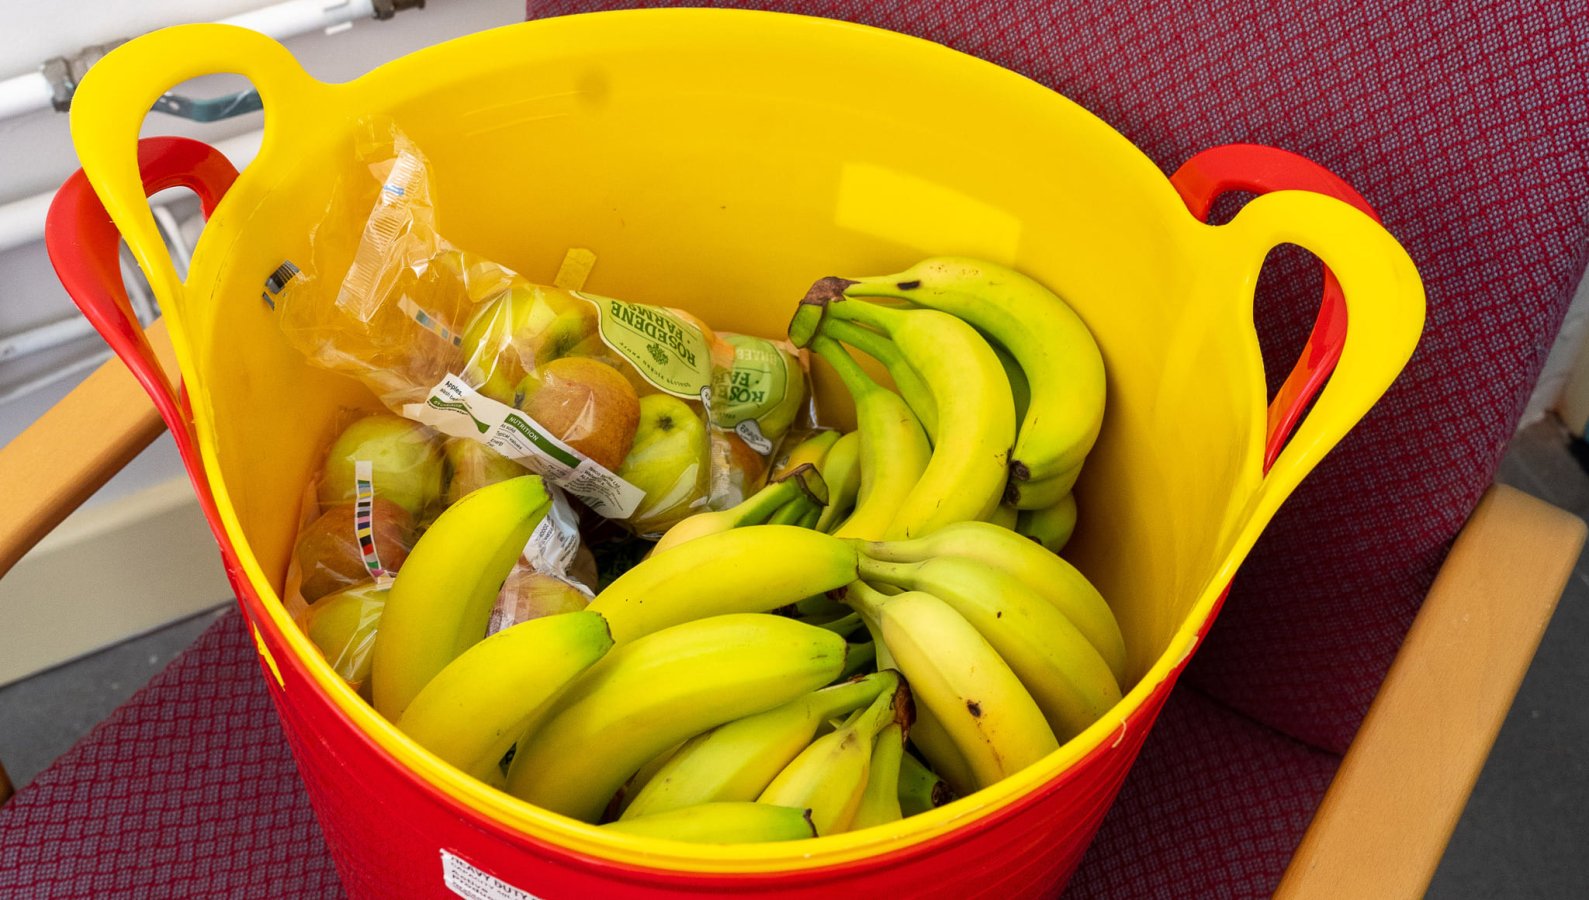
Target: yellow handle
(109, 106)
(1384, 317)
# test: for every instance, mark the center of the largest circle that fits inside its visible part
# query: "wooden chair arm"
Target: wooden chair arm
(1386, 819)
(73, 449)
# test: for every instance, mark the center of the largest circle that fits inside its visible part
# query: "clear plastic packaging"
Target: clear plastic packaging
(641, 412)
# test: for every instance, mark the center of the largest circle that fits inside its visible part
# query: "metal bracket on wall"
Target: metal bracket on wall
(64, 72)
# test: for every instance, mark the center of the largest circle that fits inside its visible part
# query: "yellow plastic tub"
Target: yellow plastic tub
(721, 161)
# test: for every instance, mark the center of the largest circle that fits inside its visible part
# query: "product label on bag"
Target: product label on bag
(458, 410)
(666, 350)
(466, 880)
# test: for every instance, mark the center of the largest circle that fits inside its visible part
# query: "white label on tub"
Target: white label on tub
(465, 880)
(458, 410)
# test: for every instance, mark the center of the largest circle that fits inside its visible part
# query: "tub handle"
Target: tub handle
(83, 246)
(1216, 171)
(1383, 299)
(116, 94)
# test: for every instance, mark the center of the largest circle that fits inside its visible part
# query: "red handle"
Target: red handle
(1251, 167)
(84, 248)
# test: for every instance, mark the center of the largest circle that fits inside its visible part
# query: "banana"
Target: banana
(1005, 516)
(880, 799)
(841, 472)
(920, 789)
(844, 625)
(1042, 493)
(661, 689)
(969, 466)
(1051, 527)
(1066, 588)
(907, 381)
(956, 674)
(894, 450)
(813, 450)
(1065, 674)
(737, 760)
(925, 731)
(476, 707)
(1063, 366)
(722, 823)
(801, 480)
(1019, 389)
(829, 776)
(637, 782)
(794, 512)
(441, 601)
(751, 569)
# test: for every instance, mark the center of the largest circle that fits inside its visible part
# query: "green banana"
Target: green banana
(737, 760)
(1053, 346)
(722, 823)
(880, 799)
(1052, 526)
(1005, 516)
(844, 625)
(476, 707)
(794, 512)
(907, 381)
(956, 674)
(920, 789)
(894, 450)
(1065, 674)
(829, 775)
(841, 471)
(969, 466)
(751, 569)
(1066, 588)
(1019, 389)
(658, 690)
(441, 601)
(802, 480)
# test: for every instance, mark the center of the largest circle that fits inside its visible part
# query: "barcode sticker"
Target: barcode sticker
(466, 880)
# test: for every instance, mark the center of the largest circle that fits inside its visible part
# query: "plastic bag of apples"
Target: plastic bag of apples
(642, 414)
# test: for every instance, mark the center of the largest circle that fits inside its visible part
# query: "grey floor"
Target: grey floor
(1525, 833)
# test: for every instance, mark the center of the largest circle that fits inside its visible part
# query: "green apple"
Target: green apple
(528, 326)
(472, 465)
(766, 383)
(343, 626)
(405, 457)
(669, 461)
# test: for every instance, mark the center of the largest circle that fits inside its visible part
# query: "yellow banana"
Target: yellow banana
(1053, 346)
(907, 381)
(920, 789)
(1042, 493)
(751, 569)
(440, 603)
(925, 731)
(956, 674)
(739, 822)
(482, 702)
(880, 799)
(966, 474)
(737, 760)
(753, 510)
(1052, 526)
(841, 473)
(661, 689)
(1065, 674)
(1039, 570)
(829, 775)
(813, 450)
(893, 447)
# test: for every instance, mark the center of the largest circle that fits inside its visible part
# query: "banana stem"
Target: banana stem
(883, 318)
(810, 482)
(757, 508)
(855, 379)
(842, 699)
(897, 574)
(792, 512)
(909, 383)
(842, 625)
(867, 601)
(860, 657)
